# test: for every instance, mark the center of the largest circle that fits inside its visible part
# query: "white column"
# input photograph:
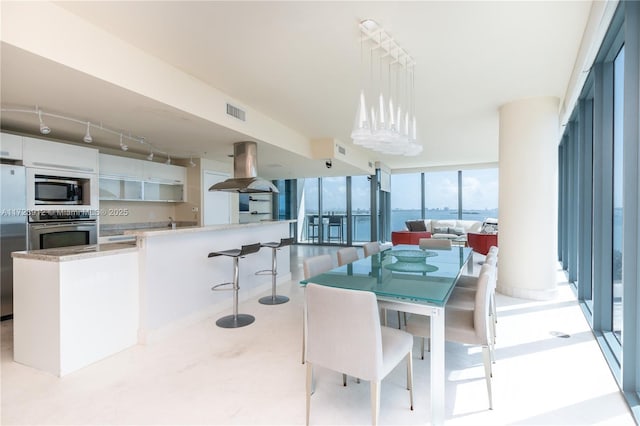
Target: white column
(528, 203)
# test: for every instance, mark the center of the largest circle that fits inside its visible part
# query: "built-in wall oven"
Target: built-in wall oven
(59, 228)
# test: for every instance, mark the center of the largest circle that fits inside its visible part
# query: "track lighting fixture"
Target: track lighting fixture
(44, 129)
(123, 146)
(87, 136)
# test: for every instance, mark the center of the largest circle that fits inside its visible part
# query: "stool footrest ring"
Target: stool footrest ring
(215, 287)
(266, 272)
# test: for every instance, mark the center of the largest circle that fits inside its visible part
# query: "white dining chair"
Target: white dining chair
(316, 265)
(360, 347)
(434, 244)
(347, 255)
(311, 267)
(463, 295)
(371, 248)
(466, 326)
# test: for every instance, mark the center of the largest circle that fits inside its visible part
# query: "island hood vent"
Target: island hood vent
(245, 178)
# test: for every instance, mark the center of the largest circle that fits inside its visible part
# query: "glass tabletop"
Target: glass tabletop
(429, 280)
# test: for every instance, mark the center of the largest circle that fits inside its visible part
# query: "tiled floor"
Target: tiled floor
(208, 375)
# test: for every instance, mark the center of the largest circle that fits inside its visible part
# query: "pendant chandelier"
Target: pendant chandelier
(385, 118)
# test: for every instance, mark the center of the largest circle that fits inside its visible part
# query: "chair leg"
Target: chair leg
(410, 378)
(308, 388)
(375, 401)
(487, 373)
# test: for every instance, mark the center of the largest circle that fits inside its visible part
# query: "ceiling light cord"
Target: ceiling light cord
(88, 138)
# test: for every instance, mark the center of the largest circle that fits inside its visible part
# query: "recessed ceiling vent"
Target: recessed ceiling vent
(341, 149)
(236, 112)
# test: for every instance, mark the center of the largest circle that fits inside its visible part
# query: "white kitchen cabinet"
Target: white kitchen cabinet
(59, 156)
(121, 167)
(130, 179)
(114, 188)
(165, 173)
(156, 191)
(10, 146)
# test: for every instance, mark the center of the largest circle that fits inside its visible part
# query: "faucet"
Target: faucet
(172, 223)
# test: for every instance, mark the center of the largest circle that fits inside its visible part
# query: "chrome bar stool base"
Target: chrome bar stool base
(235, 321)
(274, 299)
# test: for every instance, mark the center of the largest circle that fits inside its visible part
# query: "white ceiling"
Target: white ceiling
(298, 63)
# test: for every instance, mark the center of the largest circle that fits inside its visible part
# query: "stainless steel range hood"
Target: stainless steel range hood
(245, 178)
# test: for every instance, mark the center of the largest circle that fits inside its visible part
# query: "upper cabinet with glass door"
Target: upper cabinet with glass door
(129, 179)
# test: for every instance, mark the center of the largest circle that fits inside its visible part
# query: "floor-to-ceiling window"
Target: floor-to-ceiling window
(309, 215)
(361, 209)
(334, 210)
(441, 195)
(617, 214)
(406, 199)
(479, 194)
(600, 151)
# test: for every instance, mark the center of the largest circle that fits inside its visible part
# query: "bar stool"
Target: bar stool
(236, 320)
(274, 299)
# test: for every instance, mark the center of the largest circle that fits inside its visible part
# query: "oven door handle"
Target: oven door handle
(60, 225)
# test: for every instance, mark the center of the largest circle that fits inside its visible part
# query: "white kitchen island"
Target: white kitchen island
(77, 305)
(176, 276)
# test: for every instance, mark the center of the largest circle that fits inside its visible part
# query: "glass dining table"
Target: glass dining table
(408, 279)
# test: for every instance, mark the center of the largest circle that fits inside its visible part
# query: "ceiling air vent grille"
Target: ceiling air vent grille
(236, 112)
(341, 150)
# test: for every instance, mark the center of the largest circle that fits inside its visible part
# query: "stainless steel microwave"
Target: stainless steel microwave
(58, 190)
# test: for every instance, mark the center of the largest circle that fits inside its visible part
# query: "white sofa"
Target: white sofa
(451, 229)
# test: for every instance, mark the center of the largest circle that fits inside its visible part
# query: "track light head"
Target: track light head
(44, 129)
(123, 146)
(191, 163)
(87, 136)
(150, 156)
(168, 160)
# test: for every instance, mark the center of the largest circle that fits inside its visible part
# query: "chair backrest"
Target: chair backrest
(486, 287)
(286, 241)
(316, 265)
(335, 220)
(343, 331)
(434, 243)
(371, 248)
(347, 255)
(249, 248)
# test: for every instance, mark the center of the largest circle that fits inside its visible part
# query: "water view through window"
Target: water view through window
(479, 196)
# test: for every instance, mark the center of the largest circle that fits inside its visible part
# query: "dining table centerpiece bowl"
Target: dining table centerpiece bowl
(411, 256)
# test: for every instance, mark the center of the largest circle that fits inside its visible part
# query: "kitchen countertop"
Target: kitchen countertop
(195, 229)
(65, 254)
